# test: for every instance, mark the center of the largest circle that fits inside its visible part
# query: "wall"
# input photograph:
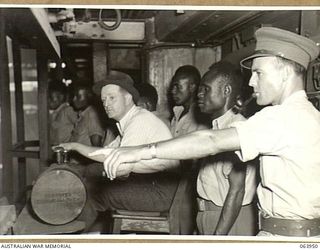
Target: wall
(163, 62)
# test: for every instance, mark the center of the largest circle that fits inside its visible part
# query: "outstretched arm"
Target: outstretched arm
(83, 150)
(197, 145)
(194, 145)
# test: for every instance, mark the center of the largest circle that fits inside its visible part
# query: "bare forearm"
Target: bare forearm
(230, 212)
(198, 144)
(85, 150)
(155, 165)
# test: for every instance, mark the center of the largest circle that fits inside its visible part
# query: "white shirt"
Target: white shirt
(287, 138)
(139, 126)
(213, 183)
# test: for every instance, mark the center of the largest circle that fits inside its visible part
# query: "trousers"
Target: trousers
(245, 225)
(138, 192)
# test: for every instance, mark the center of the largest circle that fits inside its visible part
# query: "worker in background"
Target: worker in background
(183, 91)
(62, 115)
(88, 128)
(284, 135)
(149, 99)
(186, 118)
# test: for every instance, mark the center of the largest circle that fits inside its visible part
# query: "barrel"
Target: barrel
(59, 195)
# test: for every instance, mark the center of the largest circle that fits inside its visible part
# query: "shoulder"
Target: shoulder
(145, 119)
(92, 112)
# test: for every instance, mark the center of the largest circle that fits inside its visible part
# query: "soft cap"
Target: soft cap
(120, 79)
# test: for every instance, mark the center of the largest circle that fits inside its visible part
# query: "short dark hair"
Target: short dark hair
(230, 74)
(150, 93)
(190, 72)
(59, 87)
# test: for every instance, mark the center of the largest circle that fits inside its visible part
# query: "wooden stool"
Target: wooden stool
(178, 220)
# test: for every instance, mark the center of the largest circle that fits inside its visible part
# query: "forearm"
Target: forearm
(85, 150)
(230, 211)
(197, 145)
(152, 166)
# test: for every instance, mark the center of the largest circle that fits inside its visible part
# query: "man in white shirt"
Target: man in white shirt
(141, 190)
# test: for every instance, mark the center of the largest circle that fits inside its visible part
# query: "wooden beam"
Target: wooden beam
(41, 17)
(43, 114)
(6, 133)
(127, 31)
(22, 173)
(32, 27)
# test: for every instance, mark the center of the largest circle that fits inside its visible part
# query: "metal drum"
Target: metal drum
(59, 195)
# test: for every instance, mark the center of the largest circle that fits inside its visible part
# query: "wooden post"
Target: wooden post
(6, 133)
(22, 174)
(108, 64)
(99, 60)
(43, 114)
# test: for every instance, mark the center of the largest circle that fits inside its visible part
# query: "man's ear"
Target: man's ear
(149, 105)
(227, 90)
(128, 98)
(286, 72)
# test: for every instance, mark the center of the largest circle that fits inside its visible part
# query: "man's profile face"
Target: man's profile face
(181, 90)
(267, 80)
(114, 101)
(210, 94)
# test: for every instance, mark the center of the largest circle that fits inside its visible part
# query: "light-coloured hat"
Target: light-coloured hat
(278, 42)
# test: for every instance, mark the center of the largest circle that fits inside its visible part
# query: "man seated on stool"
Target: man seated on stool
(285, 136)
(142, 190)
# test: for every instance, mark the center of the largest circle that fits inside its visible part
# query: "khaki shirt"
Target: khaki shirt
(186, 124)
(287, 138)
(62, 122)
(87, 124)
(213, 183)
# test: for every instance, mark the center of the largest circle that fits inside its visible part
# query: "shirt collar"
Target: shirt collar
(177, 110)
(296, 95)
(65, 104)
(127, 117)
(83, 112)
(223, 121)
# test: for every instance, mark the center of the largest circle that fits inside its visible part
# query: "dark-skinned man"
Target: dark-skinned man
(183, 90)
(225, 186)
